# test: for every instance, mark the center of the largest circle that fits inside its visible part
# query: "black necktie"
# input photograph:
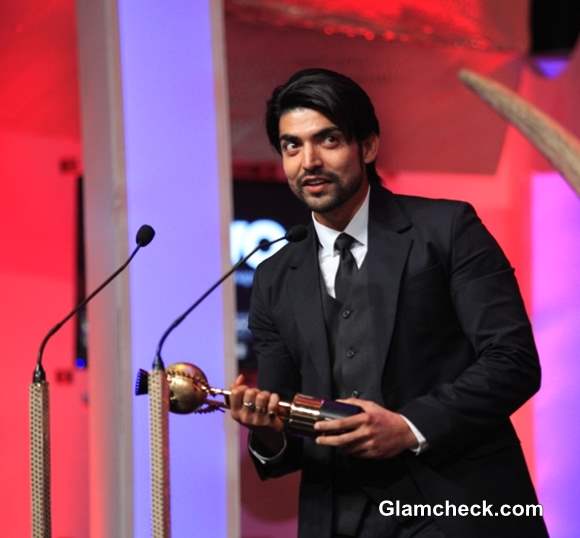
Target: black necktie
(346, 268)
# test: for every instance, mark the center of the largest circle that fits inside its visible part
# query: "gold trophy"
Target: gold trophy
(190, 392)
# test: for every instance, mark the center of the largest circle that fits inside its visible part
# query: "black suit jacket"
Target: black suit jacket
(455, 355)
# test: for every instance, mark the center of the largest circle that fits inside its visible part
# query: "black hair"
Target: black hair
(335, 96)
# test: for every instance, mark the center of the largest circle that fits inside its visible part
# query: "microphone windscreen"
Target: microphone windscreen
(145, 235)
(297, 233)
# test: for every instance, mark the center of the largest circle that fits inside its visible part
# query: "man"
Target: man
(404, 306)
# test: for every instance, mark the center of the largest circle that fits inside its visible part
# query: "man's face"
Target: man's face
(323, 169)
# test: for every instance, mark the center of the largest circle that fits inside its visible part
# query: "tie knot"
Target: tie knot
(343, 242)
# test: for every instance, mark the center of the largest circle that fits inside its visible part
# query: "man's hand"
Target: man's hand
(253, 408)
(376, 433)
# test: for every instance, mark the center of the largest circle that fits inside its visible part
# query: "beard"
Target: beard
(334, 196)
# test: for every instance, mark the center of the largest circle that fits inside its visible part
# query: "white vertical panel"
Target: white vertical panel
(110, 443)
(173, 145)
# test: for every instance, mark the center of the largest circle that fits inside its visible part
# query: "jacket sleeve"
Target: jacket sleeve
(277, 372)
(490, 310)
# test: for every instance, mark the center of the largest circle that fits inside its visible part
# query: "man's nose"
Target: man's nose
(311, 158)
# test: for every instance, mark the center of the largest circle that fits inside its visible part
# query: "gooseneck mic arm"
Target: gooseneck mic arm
(145, 235)
(295, 234)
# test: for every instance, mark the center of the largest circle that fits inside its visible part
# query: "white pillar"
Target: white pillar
(156, 149)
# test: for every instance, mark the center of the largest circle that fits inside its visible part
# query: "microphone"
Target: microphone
(293, 235)
(145, 235)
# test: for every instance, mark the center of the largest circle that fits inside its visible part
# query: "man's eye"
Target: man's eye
(331, 140)
(289, 146)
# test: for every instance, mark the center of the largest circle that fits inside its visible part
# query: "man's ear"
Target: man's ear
(370, 148)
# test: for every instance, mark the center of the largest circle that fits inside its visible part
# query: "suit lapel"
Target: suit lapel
(306, 300)
(387, 255)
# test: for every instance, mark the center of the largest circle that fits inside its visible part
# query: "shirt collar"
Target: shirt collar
(357, 228)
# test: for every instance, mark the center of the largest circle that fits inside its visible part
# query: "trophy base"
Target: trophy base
(306, 411)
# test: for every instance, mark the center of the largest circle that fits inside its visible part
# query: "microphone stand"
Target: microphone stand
(158, 390)
(39, 432)
(39, 416)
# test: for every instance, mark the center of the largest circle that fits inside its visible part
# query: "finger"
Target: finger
(342, 439)
(236, 397)
(334, 440)
(365, 404)
(359, 448)
(350, 400)
(250, 395)
(262, 399)
(273, 405)
(259, 413)
(239, 380)
(348, 423)
(248, 405)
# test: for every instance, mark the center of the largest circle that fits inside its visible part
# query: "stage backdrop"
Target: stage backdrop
(439, 140)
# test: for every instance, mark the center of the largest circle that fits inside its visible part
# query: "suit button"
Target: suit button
(350, 353)
(355, 394)
(346, 313)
